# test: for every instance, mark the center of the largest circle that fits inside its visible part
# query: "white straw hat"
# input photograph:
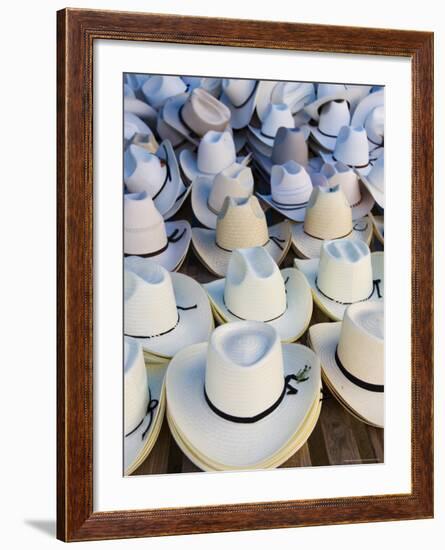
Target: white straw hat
(264, 96)
(352, 358)
(240, 224)
(276, 116)
(358, 197)
(146, 233)
(328, 217)
(196, 113)
(325, 94)
(157, 174)
(347, 272)
(294, 94)
(375, 181)
(157, 89)
(351, 148)
(208, 194)
(144, 405)
(239, 95)
(333, 116)
(291, 188)
(254, 289)
(163, 311)
(216, 151)
(243, 397)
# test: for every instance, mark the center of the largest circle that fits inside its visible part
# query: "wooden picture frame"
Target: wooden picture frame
(77, 31)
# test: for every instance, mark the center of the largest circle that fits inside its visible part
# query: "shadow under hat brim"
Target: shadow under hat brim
(238, 445)
(184, 192)
(379, 227)
(216, 260)
(295, 214)
(335, 310)
(306, 246)
(377, 195)
(294, 321)
(240, 116)
(136, 447)
(200, 196)
(193, 325)
(367, 404)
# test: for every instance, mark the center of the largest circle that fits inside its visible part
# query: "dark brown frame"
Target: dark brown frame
(77, 30)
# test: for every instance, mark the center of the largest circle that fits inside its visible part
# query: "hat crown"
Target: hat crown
(361, 348)
(290, 144)
(377, 174)
(241, 223)
(216, 151)
(149, 298)
(143, 171)
(203, 112)
(144, 227)
(375, 125)
(234, 181)
(351, 146)
(344, 176)
(328, 214)
(238, 89)
(276, 116)
(244, 374)
(290, 183)
(254, 287)
(345, 270)
(326, 90)
(135, 385)
(157, 89)
(334, 115)
(294, 94)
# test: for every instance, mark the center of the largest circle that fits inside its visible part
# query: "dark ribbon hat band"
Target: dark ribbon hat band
(375, 286)
(168, 176)
(249, 97)
(151, 406)
(289, 205)
(357, 381)
(276, 240)
(352, 165)
(166, 331)
(173, 238)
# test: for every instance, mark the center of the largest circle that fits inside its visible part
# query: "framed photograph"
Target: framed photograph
(245, 252)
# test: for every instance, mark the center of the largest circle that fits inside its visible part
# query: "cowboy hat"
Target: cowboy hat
(146, 233)
(157, 89)
(276, 116)
(163, 311)
(144, 405)
(291, 189)
(141, 109)
(346, 273)
(240, 224)
(379, 227)
(135, 82)
(211, 85)
(325, 94)
(294, 94)
(333, 116)
(375, 181)
(352, 358)
(366, 106)
(239, 96)
(351, 148)
(242, 397)
(135, 129)
(208, 194)
(255, 289)
(264, 96)
(328, 217)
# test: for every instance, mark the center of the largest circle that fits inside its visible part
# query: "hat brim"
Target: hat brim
(306, 246)
(184, 192)
(240, 116)
(377, 194)
(238, 445)
(167, 197)
(366, 105)
(379, 227)
(189, 164)
(295, 214)
(313, 109)
(257, 146)
(364, 205)
(216, 260)
(256, 132)
(171, 117)
(264, 96)
(329, 159)
(331, 308)
(138, 445)
(194, 324)
(200, 196)
(326, 142)
(295, 320)
(369, 405)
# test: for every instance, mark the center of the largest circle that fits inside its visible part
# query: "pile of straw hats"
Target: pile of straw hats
(247, 204)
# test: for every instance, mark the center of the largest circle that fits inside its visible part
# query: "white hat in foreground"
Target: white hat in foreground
(352, 358)
(346, 273)
(375, 181)
(255, 290)
(144, 405)
(333, 116)
(239, 95)
(146, 234)
(291, 188)
(208, 194)
(163, 311)
(242, 397)
(328, 217)
(240, 224)
(276, 116)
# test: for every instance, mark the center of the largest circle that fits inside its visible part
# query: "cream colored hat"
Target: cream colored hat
(351, 148)
(196, 113)
(352, 358)
(291, 189)
(328, 217)
(255, 289)
(358, 197)
(147, 235)
(157, 89)
(294, 94)
(144, 405)
(240, 224)
(163, 311)
(216, 151)
(239, 95)
(241, 398)
(333, 116)
(375, 181)
(346, 273)
(208, 194)
(276, 116)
